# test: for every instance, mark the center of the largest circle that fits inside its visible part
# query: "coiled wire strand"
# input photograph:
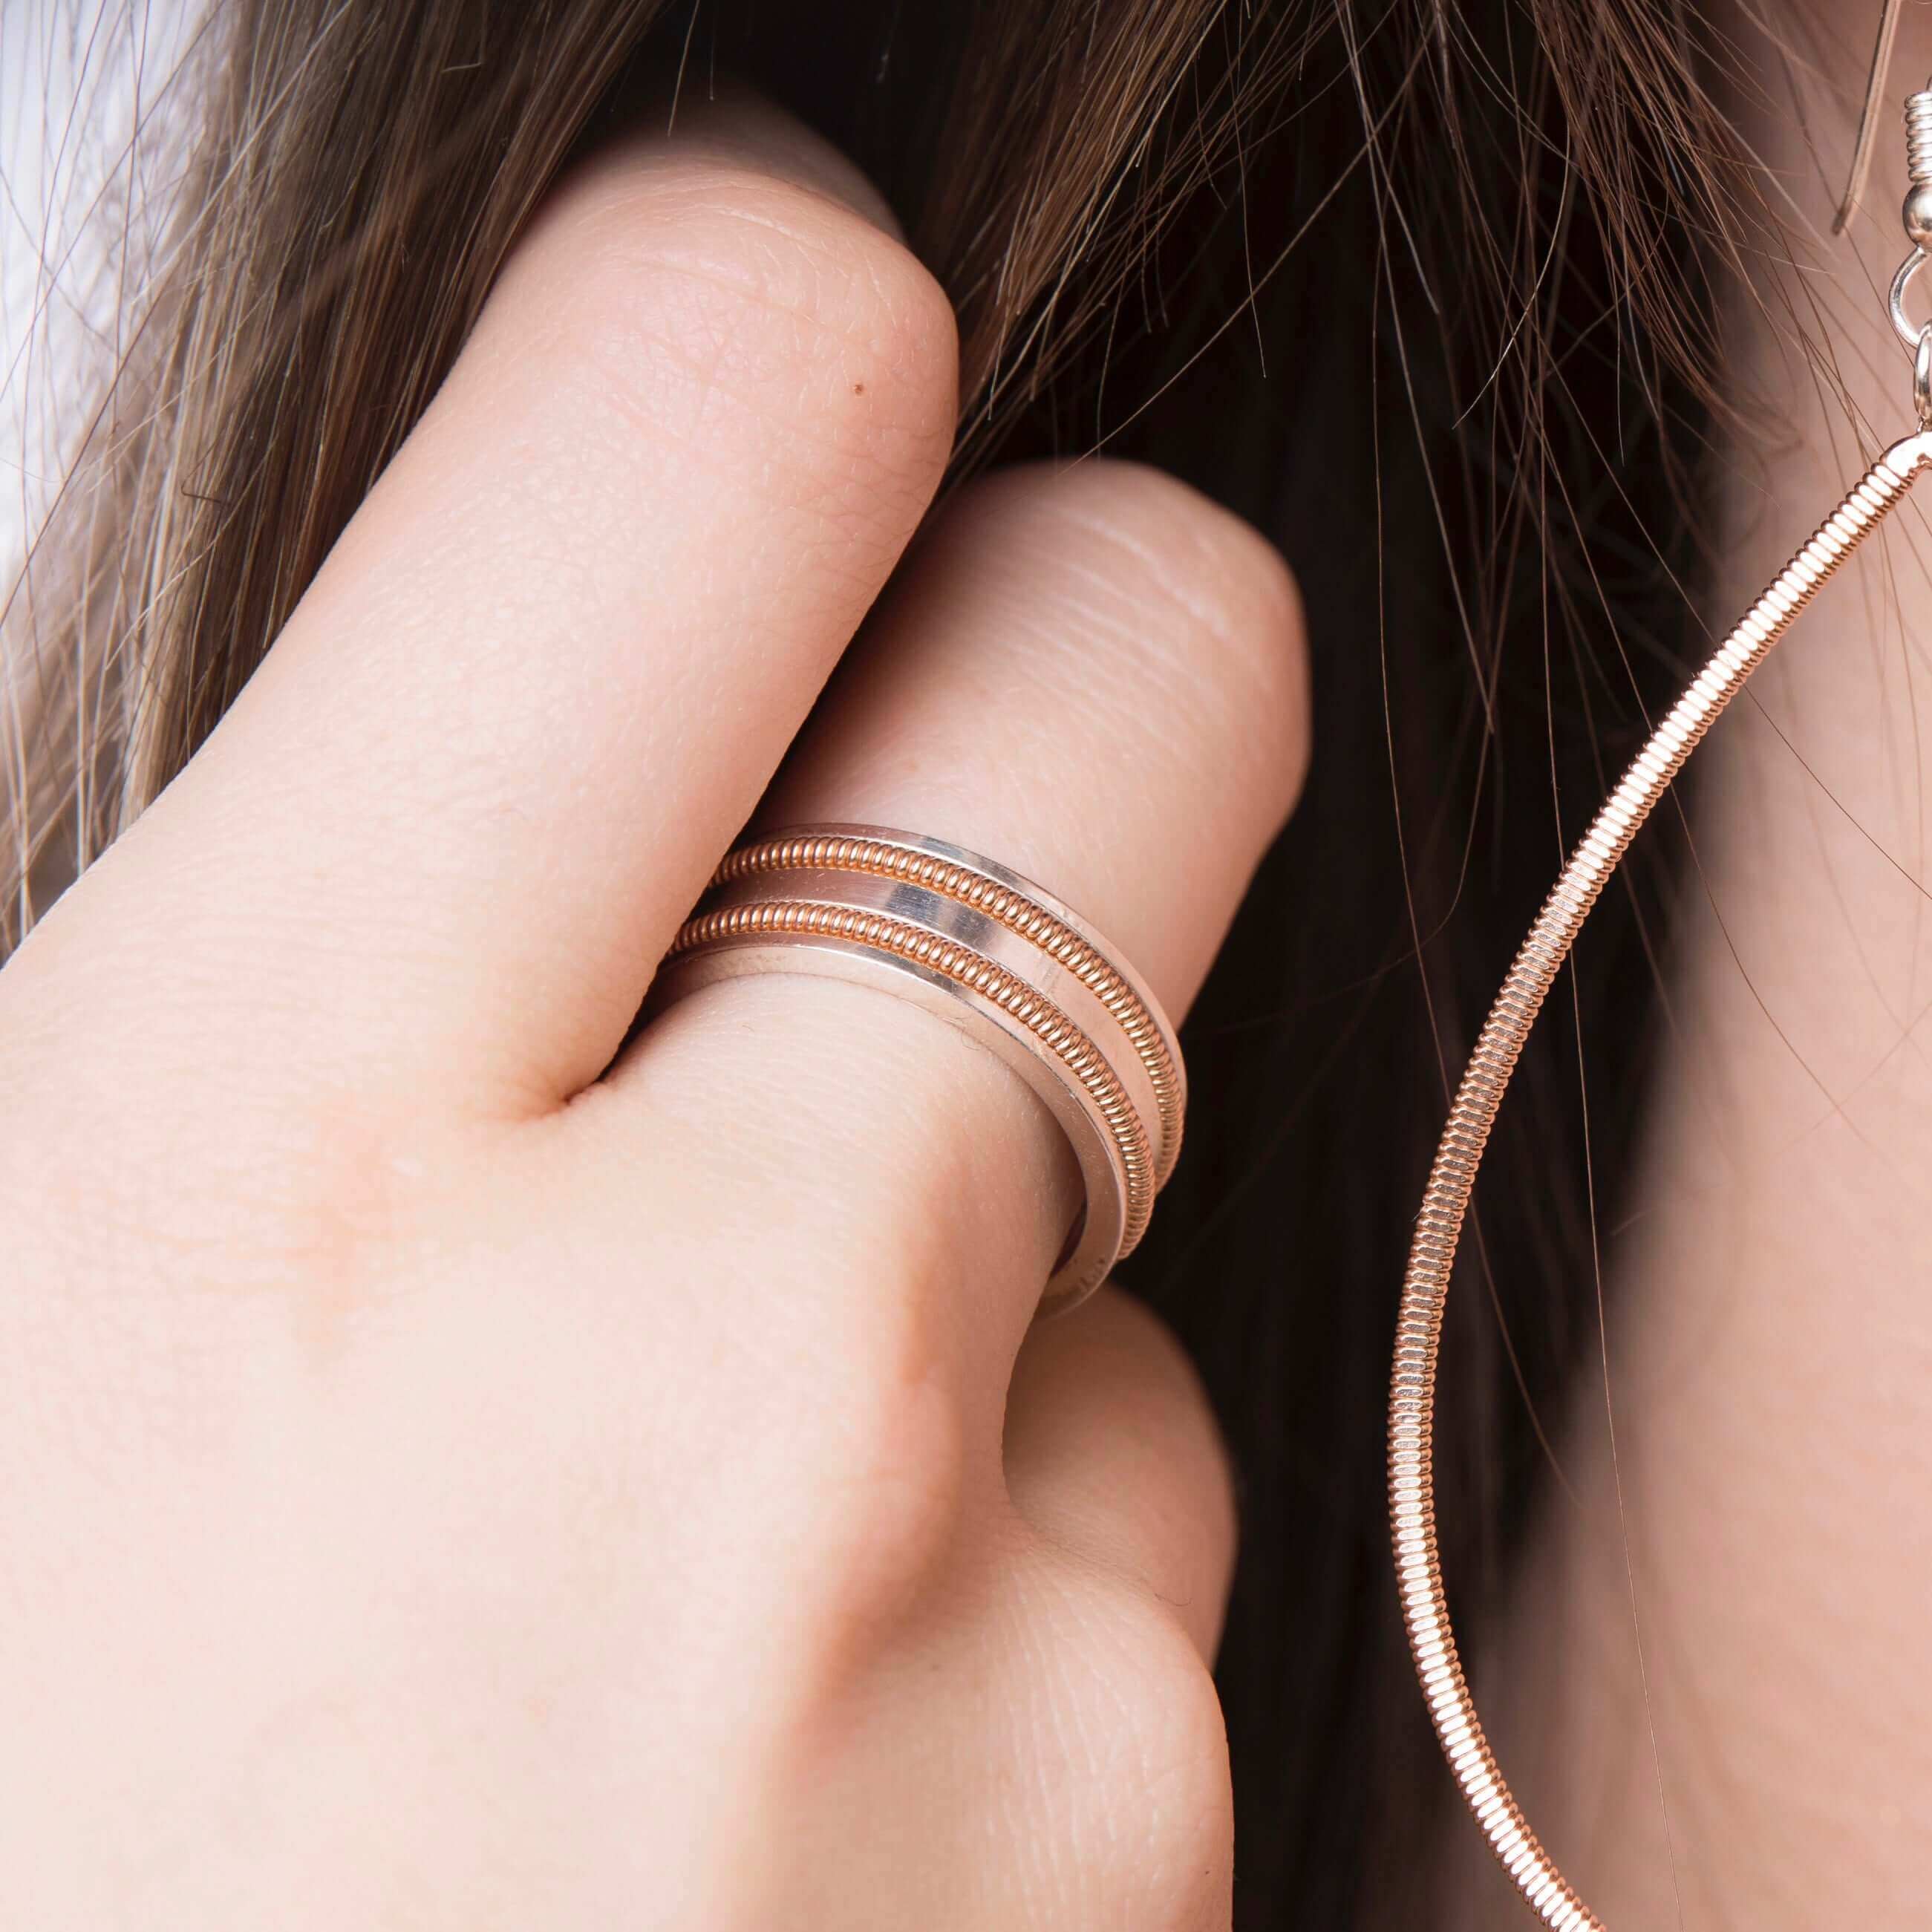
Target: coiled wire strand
(1919, 138)
(1411, 1467)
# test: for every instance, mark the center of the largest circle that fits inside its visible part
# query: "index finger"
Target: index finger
(434, 851)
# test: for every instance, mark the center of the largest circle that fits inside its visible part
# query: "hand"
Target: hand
(451, 1478)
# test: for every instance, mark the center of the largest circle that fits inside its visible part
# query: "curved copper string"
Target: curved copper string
(1438, 1228)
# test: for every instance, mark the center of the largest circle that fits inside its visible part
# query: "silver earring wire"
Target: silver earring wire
(1479, 1098)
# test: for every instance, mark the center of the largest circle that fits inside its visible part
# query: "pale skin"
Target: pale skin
(455, 1479)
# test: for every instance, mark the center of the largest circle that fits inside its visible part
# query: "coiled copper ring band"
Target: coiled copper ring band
(990, 953)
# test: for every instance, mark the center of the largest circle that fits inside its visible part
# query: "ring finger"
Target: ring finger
(1096, 677)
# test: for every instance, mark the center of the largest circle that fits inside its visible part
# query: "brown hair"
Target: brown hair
(1377, 277)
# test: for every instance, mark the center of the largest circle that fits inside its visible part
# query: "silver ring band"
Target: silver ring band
(989, 952)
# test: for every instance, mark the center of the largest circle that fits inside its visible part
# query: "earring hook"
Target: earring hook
(1861, 154)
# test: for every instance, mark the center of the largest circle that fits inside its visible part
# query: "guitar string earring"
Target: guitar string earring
(1438, 1228)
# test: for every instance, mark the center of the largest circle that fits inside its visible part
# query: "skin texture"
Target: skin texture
(1769, 1352)
(453, 1479)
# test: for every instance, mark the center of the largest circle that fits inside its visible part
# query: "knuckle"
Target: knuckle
(1227, 639)
(1235, 608)
(1190, 1457)
(862, 1405)
(761, 294)
(1179, 1774)
(1164, 1751)
(884, 1474)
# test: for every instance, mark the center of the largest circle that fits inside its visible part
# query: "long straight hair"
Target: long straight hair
(1381, 277)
